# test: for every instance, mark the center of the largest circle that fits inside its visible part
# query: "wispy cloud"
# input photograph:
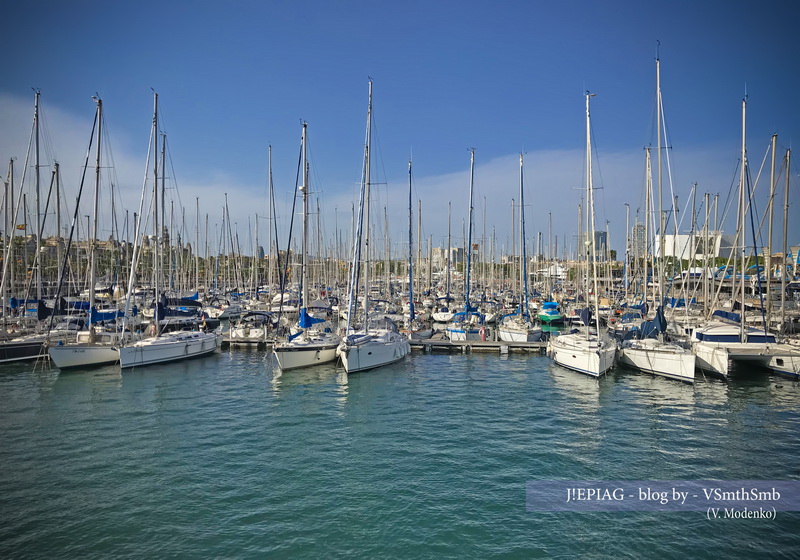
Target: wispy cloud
(554, 186)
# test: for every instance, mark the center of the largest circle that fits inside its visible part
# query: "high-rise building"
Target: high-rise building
(638, 242)
(600, 246)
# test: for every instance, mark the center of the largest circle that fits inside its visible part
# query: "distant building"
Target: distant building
(638, 241)
(688, 246)
(600, 245)
(439, 257)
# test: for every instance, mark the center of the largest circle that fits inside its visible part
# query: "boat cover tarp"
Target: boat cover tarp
(96, 316)
(307, 320)
(727, 315)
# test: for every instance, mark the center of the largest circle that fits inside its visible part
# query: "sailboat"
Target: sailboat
(443, 313)
(312, 344)
(647, 348)
(592, 353)
(648, 351)
(379, 342)
(727, 337)
(94, 346)
(414, 327)
(28, 346)
(160, 347)
(517, 327)
(468, 324)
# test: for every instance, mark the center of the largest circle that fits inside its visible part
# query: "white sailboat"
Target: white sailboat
(443, 312)
(377, 343)
(94, 346)
(162, 347)
(650, 352)
(468, 324)
(518, 327)
(414, 328)
(313, 344)
(592, 353)
(727, 338)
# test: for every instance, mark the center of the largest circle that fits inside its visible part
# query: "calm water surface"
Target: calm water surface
(222, 457)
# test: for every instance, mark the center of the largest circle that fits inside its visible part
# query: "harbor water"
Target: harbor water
(223, 457)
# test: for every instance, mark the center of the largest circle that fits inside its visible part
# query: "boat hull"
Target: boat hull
(519, 335)
(248, 336)
(788, 366)
(464, 335)
(169, 348)
(586, 356)
(83, 355)
(663, 361)
(16, 351)
(373, 353)
(292, 356)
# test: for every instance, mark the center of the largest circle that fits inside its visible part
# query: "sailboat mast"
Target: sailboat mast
(156, 251)
(367, 178)
(742, 213)
(524, 311)
(785, 238)
(771, 208)
(93, 237)
(449, 252)
(358, 227)
(705, 255)
(662, 239)
(590, 204)
(38, 194)
(419, 242)
(469, 229)
(197, 243)
(270, 214)
(304, 257)
(648, 202)
(410, 252)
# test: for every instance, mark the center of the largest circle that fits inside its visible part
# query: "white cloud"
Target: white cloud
(554, 184)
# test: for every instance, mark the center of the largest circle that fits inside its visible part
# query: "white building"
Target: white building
(687, 246)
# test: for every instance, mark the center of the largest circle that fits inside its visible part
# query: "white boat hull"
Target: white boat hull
(241, 335)
(443, 316)
(293, 356)
(169, 348)
(519, 335)
(83, 355)
(659, 359)
(465, 335)
(373, 352)
(575, 352)
(786, 365)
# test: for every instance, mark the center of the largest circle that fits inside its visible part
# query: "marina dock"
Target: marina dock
(466, 347)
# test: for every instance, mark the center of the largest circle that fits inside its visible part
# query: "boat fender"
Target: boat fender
(483, 334)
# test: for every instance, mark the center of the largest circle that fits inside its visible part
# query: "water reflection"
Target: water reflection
(583, 390)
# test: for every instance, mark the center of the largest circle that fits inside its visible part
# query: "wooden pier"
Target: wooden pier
(495, 346)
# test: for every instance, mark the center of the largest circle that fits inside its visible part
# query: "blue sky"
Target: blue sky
(502, 77)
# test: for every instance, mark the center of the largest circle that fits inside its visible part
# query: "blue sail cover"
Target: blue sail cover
(585, 315)
(727, 315)
(307, 320)
(96, 316)
(651, 329)
(675, 302)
